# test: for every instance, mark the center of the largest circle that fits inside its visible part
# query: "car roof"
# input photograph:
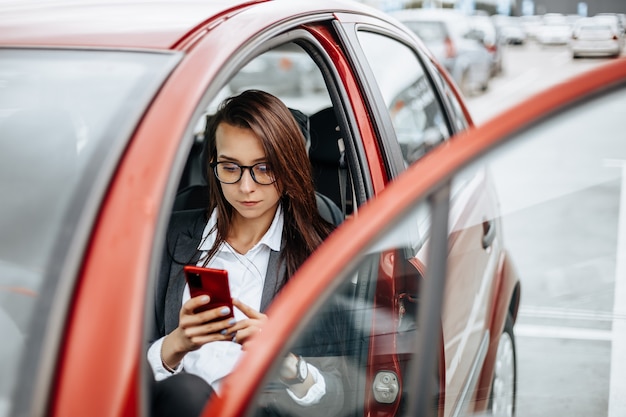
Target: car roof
(109, 23)
(152, 24)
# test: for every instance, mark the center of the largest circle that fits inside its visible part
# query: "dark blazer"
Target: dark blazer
(181, 248)
(182, 240)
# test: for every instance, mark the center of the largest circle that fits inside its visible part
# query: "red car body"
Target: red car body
(88, 356)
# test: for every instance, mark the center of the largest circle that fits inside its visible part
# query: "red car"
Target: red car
(103, 106)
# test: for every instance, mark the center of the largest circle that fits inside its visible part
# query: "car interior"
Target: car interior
(319, 126)
(340, 189)
(328, 162)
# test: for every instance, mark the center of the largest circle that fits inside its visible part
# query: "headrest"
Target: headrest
(304, 123)
(324, 135)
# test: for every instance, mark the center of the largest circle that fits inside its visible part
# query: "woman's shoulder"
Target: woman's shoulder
(187, 220)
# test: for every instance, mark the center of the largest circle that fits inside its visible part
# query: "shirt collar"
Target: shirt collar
(272, 238)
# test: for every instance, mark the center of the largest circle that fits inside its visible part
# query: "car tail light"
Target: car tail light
(492, 48)
(285, 64)
(450, 50)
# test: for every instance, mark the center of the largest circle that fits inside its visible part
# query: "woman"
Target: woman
(261, 224)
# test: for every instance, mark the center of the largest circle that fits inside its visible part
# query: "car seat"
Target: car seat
(327, 156)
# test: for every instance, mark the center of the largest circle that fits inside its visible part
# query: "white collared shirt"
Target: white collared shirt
(246, 275)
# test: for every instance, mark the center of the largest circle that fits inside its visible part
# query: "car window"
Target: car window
(63, 115)
(287, 72)
(290, 73)
(357, 333)
(560, 190)
(411, 100)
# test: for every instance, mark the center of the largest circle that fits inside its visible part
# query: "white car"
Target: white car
(595, 37)
(554, 33)
(511, 29)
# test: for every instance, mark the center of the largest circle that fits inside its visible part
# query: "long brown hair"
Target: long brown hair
(284, 145)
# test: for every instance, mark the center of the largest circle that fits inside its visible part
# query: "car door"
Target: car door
(561, 198)
(317, 79)
(422, 119)
(408, 117)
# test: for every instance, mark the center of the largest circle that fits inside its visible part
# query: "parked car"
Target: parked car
(511, 29)
(449, 36)
(531, 25)
(103, 107)
(554, 30)
(595, 37)
(491, 37)
(614, 19)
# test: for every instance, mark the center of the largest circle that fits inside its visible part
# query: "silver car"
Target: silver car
(595, 37)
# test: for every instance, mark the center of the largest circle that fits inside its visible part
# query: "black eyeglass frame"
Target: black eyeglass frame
(242, 168)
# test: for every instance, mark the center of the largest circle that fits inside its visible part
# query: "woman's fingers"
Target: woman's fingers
(247, 310)
(203, 327)
(187, 312)
(246, 329)
(196, 341)
(219, 313)
(215, 324)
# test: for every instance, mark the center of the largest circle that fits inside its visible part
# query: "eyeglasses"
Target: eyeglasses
(230, 172)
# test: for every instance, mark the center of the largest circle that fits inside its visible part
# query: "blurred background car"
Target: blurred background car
(531, 25)
(285, 70)
(448, 34)
(511, 30)
(615, 20)
(555, 30)
(491, 37)
(595, 37)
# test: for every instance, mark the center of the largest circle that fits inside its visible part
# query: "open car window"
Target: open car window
(288, 72)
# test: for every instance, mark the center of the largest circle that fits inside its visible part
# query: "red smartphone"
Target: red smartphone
(212, 282)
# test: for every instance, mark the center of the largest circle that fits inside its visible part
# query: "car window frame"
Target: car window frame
(386, 132)
(386, 135)
(305, 36)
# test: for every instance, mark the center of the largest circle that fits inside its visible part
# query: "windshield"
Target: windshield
(65, 117)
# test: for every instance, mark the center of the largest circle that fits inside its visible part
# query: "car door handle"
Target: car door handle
(489, 233)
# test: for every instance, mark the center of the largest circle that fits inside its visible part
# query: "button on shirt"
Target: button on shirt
(246, 275)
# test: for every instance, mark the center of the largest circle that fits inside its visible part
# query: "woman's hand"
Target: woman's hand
(195, 330)
(245, 329)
